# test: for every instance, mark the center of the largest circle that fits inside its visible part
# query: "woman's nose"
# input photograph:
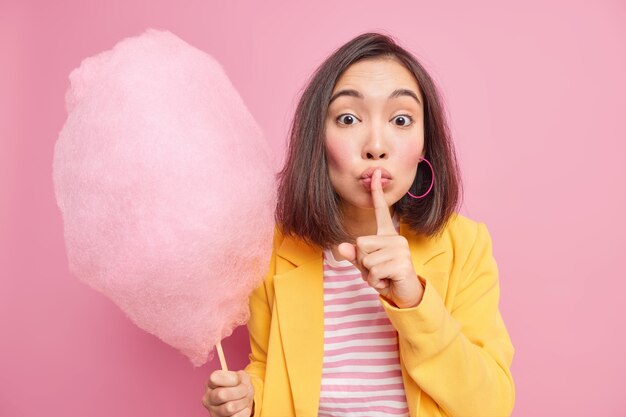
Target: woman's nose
(376, 146)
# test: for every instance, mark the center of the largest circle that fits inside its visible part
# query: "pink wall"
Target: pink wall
(537, 99)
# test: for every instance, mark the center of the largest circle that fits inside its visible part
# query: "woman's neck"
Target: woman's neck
(361, 222)
(358, 222)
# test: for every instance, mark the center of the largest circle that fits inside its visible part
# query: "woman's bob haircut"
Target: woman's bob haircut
(308, 206)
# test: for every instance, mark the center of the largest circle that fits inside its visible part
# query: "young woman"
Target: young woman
(381, 300)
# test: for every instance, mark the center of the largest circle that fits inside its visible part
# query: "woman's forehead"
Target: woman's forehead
(376, 77)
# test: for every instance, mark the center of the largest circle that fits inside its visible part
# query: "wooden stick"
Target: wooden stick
(220, 353)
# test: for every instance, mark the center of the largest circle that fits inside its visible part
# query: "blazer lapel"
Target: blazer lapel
(299, 289)
(424, 250)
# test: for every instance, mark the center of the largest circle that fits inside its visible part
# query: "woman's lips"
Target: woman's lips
(369, 172)
(366, 177)
(367, 183)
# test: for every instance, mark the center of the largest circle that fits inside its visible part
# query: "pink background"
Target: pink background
(536, 96)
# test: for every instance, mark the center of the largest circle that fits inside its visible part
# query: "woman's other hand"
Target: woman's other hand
(229, 393)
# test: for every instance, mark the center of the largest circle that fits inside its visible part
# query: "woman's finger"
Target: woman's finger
(348, 251)
(206, 401)
(374, 243)
(246, 412)
(384, 222)
(378, 257)
(221, 378)
(380, 272)
(225, 394)
(233, 407)
(360, 255)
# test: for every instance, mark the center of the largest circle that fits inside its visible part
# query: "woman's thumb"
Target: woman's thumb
(348, 251)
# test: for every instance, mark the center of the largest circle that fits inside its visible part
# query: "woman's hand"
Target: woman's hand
(385, 259)
(229, 394)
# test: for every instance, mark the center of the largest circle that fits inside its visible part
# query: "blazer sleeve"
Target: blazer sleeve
(258, 329)
(460, 358)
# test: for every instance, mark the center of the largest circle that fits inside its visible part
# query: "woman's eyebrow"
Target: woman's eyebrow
(397, 93)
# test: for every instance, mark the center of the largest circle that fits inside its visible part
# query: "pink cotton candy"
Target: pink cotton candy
(167, 190)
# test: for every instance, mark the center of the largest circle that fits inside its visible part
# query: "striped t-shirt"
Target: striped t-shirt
(361, 373)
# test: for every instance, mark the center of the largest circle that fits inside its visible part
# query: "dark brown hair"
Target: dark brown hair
(307, 204)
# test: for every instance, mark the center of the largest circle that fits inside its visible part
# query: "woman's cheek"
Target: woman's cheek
(408, 161)
(409, 155)
(339, 155)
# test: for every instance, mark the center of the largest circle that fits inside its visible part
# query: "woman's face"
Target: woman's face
(375, 119)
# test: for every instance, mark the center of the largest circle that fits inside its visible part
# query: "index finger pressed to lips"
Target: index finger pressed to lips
(384, 221)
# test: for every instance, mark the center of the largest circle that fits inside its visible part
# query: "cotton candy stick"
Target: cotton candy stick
(220, 353)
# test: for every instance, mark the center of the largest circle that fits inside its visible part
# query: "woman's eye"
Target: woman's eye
(404, 120)
(347, 119)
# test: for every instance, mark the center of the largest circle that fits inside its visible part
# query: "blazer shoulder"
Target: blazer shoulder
(278, 237)
(460, 223)
(463, 231)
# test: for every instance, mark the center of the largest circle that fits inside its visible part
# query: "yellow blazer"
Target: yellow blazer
(455, 351)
